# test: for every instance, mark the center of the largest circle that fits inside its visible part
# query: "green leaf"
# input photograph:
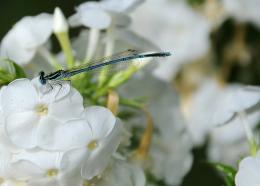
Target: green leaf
(195, 2)
(228, 172)
(19, 72)
(10, 71)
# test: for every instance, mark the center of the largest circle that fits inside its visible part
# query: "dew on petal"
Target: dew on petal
(52, 172)
(93, 144)
(42, 109)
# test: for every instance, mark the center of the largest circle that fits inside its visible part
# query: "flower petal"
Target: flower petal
(22, 128)
(91, 15)
(101, 121)
(54, 135)
(120, 5)
(19, 96)
(28, 34)
(248, 172)
(99, 158)
(52, 91)
(45, 160)
(70, 107)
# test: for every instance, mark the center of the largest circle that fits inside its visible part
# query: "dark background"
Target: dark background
(13, 10)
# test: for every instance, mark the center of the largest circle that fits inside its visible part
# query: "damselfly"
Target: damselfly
(115, 59)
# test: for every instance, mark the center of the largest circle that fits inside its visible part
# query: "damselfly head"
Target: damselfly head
(42, 80)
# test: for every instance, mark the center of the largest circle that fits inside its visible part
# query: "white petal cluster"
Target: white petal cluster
(22, 41)
(48, 138)
(121, 173)
(214, 105)
(215, 112)
(178, 28)
(170, 155)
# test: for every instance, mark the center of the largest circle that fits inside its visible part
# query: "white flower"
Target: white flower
(175, 27)
(122, 173)
(94, 138)
(101, 14)
(243, 10)
(59, 21)
(48, 168)
(214, 105)
(21, 42)
(170, 154)
(31, 109)
(228, 143)
(248, 172)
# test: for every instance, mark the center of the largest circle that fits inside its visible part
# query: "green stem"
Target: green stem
(65, 44)
(131, 103)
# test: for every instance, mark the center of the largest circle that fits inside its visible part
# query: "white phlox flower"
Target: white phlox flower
(229, 143)
(101, 14)
(94, 138)
(32, 109)
(248, 171)
(48, 168)
(109, 14)
(170, 155)
(176, 27)
(214, 105)
(122, 173)
(21, 43)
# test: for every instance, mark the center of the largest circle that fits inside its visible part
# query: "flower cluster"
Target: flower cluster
(48, 138)
(121, 125)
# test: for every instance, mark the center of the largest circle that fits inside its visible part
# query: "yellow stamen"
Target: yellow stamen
(52, 172)
(92, 145)
(42, 109)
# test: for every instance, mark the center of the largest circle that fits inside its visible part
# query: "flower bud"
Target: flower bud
(59, 21)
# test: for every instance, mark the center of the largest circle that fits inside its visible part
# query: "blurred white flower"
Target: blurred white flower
(176, 27)
(101, 14)
(170, 155)
(59, 21)
(22, 41)
(95, 138)
(248, 172)
(228, 143)
(122, 173)
(108, 14)
(213, 105)
(30, 111)
(243, 10)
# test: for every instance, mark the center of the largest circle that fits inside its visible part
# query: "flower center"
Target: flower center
(52, 172)
(42, 109)
(92, 145)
